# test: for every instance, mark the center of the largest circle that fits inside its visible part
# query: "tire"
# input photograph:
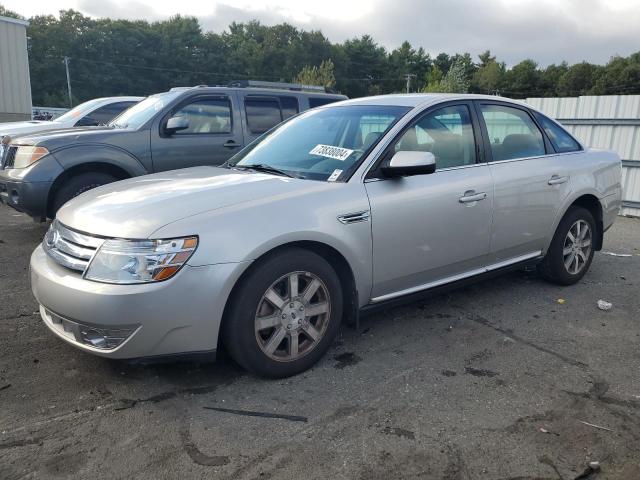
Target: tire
(263, 337)
(78, 184)
(559, 265)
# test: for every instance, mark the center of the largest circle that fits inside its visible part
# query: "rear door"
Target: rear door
(213, 136)
(530, 181)
(432, 229)
(263, 112)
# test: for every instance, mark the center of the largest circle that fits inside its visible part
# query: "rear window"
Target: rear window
(319, 101)
(562, 142)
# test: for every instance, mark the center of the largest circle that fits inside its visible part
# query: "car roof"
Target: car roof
(120, 99)
(421, 99)
(282, 91)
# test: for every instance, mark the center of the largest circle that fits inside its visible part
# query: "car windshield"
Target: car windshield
(142, 112)
(321, 144)
(79, 111)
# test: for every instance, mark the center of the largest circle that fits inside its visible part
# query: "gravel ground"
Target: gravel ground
(494, 381)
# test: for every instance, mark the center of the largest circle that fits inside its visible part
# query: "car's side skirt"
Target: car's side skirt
(455, 281)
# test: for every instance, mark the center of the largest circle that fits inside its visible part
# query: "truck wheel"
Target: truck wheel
(285, 314)
(79, 184)
(571, 250)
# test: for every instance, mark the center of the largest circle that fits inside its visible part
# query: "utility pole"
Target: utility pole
(409, 76)
(66, 66)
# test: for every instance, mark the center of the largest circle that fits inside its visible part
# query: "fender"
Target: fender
(74, 155)
(566, 204)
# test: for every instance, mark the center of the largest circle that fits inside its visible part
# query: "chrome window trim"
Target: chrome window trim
(520, 159)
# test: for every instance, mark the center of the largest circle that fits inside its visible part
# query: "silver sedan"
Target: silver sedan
(342, 208)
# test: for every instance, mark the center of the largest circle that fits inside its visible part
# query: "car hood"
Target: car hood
(137, 207)
(14, 129)
(51, 139)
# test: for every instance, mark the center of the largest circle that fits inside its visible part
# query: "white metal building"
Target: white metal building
(612, 122)
(15, 85)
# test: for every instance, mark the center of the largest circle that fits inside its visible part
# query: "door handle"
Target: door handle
(557, 180)
(471, 196)
(230, 144)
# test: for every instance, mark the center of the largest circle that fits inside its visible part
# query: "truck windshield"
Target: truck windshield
(322, 144)
(142, 112)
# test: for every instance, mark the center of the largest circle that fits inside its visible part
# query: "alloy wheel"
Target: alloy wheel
(292, 316)
(577, 247)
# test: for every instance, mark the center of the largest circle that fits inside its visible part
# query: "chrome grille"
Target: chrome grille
(9, 156)
(69, 248)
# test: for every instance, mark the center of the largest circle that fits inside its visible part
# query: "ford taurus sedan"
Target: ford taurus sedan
(340, 209)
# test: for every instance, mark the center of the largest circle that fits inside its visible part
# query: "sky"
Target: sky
(547, 31)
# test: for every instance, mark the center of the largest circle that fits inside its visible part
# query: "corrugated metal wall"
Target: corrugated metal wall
(15, 86)
(612, 122)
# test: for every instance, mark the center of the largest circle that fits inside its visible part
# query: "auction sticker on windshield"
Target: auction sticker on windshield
(337, 153)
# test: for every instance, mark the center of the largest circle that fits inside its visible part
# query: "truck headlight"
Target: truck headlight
(27, 155)
(140, 261)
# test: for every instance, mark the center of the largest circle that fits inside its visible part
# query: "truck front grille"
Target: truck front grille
(8, 156)
(69, 248)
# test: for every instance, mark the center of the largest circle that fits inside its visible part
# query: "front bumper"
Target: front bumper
(26, 197)
(180, 315)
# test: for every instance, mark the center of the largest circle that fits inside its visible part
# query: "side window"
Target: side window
(206, 116)
(562, 142)
(103, 115)
(289, 106)
(319, 101)
(512, 133)
(447, 133)
(262, 114)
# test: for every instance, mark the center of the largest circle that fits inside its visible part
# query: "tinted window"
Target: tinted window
(103, 115)
(289, 106)
(447, 133)
(512, 133)
(561, 140)
(319, 101)
(262, 114)
(206, 115)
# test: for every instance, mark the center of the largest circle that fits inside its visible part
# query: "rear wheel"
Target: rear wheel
(571, 250)
(78, 184)
(285, 314)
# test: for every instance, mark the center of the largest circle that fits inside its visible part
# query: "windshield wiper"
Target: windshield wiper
(263, 167)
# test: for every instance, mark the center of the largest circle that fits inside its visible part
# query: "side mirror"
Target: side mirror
(404, 164)
(176, 123)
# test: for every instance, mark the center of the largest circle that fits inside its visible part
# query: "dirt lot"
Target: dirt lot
(490, 382)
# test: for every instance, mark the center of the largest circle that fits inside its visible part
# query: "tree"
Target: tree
(123, 57)
(455, 81)
(4, 12)
(322, 75)
(489, 76)
(523, 80)
(579, 79)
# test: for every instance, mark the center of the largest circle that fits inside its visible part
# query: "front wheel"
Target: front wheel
(285, 314)
(571, 250)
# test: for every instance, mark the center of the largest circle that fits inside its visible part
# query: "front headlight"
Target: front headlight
(27, 155)
(140, 261)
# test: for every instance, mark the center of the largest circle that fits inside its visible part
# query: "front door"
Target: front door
(213, 136)
(432, 229)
